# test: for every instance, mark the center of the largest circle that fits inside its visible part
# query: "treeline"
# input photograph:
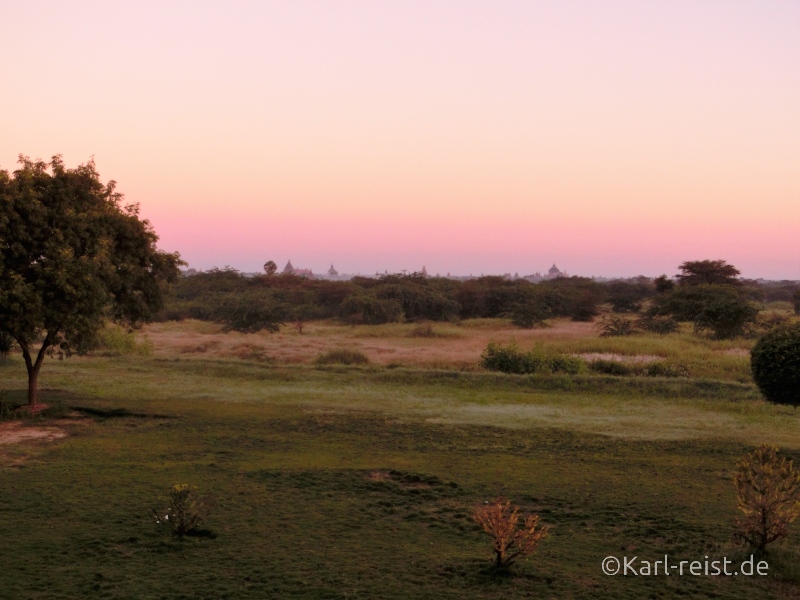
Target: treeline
(247, 303)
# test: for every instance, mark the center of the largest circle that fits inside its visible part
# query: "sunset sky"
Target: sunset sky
(613, 138)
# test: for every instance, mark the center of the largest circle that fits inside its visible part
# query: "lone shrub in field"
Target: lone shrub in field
(342, 357)
(768, 489)
(775, 363)
(113, 340)
(510, 359)
(500, 520)
(611, 326)
(186, 511)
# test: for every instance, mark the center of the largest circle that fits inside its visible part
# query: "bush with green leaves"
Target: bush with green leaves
(775, 364)
(530, 308)
(662, 369)
(724, 311)
(511, 359)
(114, 340)
(186, 510)
(653, 369)
(613, 326)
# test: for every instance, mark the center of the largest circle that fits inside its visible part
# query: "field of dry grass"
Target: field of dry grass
(447, 346)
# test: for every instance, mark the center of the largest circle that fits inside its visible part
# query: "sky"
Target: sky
(612, 138)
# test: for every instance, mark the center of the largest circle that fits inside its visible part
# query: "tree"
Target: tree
(768, 488)
(499, 519)
(270, 267)
(663, 284)
(71, 257)
(625, 296)
(712, 272)
(724, 310)
(531, 309)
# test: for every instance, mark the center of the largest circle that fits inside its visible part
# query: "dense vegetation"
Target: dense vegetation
(720, 307)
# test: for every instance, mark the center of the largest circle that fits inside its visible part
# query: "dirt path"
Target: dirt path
(14, 432)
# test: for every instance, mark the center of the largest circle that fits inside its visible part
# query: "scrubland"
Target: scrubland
(336, 481)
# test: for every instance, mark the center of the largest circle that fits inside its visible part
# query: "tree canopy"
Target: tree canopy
(72, 256)
(711, 272)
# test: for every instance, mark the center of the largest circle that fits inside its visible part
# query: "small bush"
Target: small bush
(654, 369)
(510, 359)
(661, 369)
(342, 356)
(186, 511)
(768, 493)
(499, 519)
(611, 367)
(775, 364)
(611, 326)
(561, 363)
(113, 340)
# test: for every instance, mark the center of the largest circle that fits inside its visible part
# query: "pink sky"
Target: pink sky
(613, 138)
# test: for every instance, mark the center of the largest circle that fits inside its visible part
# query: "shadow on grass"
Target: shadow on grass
(59, 403)
(117, 413)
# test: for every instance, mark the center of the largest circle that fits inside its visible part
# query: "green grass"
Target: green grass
(703, 357)
(357, 482)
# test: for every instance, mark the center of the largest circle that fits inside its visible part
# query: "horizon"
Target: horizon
(615, 139)
(449, 274)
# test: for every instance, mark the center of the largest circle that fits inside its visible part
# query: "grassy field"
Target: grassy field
(358, 482)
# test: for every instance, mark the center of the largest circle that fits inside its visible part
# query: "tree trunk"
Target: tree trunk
(33, 387)
(33, 370)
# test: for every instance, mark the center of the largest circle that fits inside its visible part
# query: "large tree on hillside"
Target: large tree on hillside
(71, 257)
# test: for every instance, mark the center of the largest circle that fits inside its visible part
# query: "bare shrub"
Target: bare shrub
(768, 490)
(499, 519)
